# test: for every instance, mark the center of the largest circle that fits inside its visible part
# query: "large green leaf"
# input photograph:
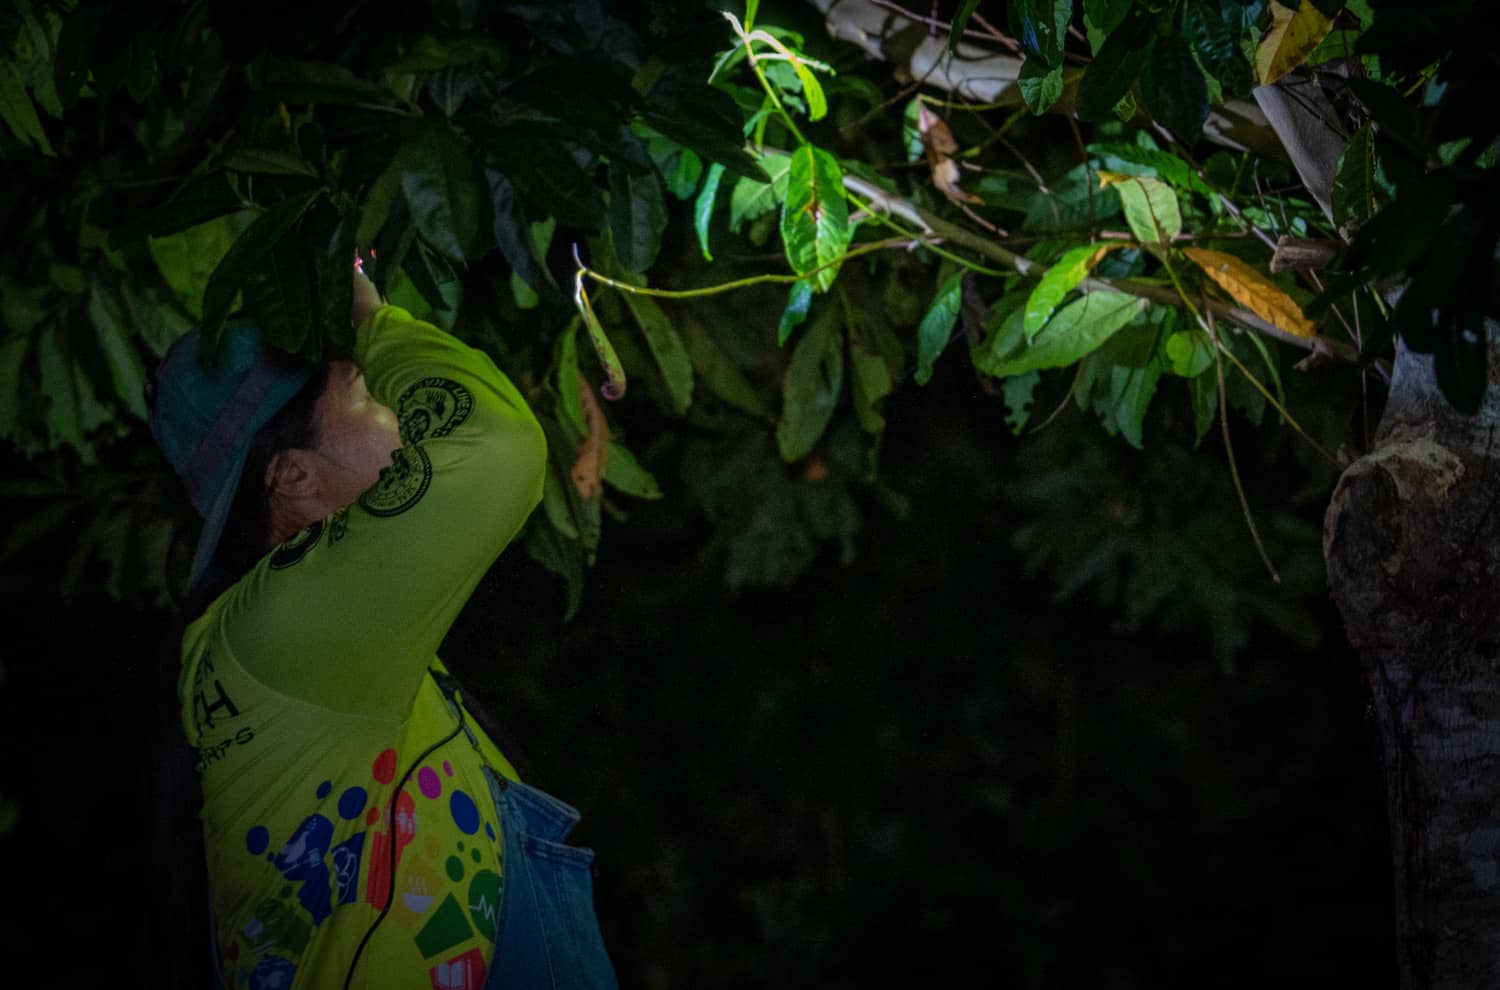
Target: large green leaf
(702, 118)
(815, 217)
(703, 207)
(1219, 49)
(125, 370)
(1112, 72)
(960, 22)
(810, 390)
(637, 216)
(1175, 90)
(1063, 277)
(441, 186)
(624, 473)
(331, 246)
(937, 325)
(510, 228)
(199, 201)
(750, 197)
(1041, 26)
(720, 374)
(666, 346)
(188, 258)
(1040, 86)
(1078, 329)
(794, 314)
(1136, 160)
(243, 258)
(1151, 207)
(281, 295)
(1353, 192)
(17, 109)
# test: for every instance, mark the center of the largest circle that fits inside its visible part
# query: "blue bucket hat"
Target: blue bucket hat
(204, 414)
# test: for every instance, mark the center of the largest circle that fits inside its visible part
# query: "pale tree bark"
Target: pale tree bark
(1412, 544)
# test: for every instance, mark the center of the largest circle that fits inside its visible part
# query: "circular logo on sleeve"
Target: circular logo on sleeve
(433, 407)
(401, 485)
(296, 548)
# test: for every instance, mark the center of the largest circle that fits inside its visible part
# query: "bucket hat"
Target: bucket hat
(205, 410)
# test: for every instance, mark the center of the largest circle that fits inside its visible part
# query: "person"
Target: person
(360, 828)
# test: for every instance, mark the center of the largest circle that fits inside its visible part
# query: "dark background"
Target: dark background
(915, 768)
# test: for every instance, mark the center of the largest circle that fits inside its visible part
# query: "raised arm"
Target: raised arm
(350, 613)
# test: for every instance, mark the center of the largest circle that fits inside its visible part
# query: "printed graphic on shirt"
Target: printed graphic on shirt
(432, 408)
(401, 485)
(338, 525)
(446, 896)
(296, 548)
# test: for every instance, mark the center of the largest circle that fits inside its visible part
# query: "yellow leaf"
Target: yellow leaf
(1253, 290)
(1293, 36)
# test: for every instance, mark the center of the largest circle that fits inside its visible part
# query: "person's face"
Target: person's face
(356, 435)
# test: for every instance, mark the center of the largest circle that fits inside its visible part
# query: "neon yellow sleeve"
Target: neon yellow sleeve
(349, 613)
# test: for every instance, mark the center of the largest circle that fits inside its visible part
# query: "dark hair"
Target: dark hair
(175, 938)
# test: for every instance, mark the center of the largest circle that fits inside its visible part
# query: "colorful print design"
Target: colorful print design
(447, 898)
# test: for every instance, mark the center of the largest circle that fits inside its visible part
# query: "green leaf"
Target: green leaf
(188, 258)
(751, 197)
(331, 247)
(720, 374)
(429, 53)
(1353, 192)
(124, 361)
(815, 218)
(1104, 16)
(1205, 395)
(1130, 394)
(268, 161)
(12, 353)
(1190, 353)
(871, 379)
(666, 346)
(1150, 161)
(1040, 86)
(556, 505)
(810, 390)
(625, 474)
(1219, 49)
(1109, 77)
(522, 293)
(1175, 90)
(321, 82)
(1151, 207)
(637, 216)
(960, 22)
(240, 261)
(197, 202)
(702, 118)
(1063, 277)
(1041, 26)
(18, 111)
(1018, 391)
(687, 169)
(937, 325)
(795, 312)
(280, 295)
(559, 555)
(511, 233)
(1078, 329)
(569, 400)
(703, 207)
(613, 386)
(440, 185)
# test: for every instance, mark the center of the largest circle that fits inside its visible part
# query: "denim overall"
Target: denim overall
(546, 934)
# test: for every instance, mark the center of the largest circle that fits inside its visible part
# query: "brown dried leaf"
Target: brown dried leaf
(593, 453)
(939, 147)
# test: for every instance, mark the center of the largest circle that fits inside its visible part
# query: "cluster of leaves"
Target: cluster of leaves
(191, 161)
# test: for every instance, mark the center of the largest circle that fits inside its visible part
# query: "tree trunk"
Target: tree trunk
(1412, 544)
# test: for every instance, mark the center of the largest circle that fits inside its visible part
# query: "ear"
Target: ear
(289, 474)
